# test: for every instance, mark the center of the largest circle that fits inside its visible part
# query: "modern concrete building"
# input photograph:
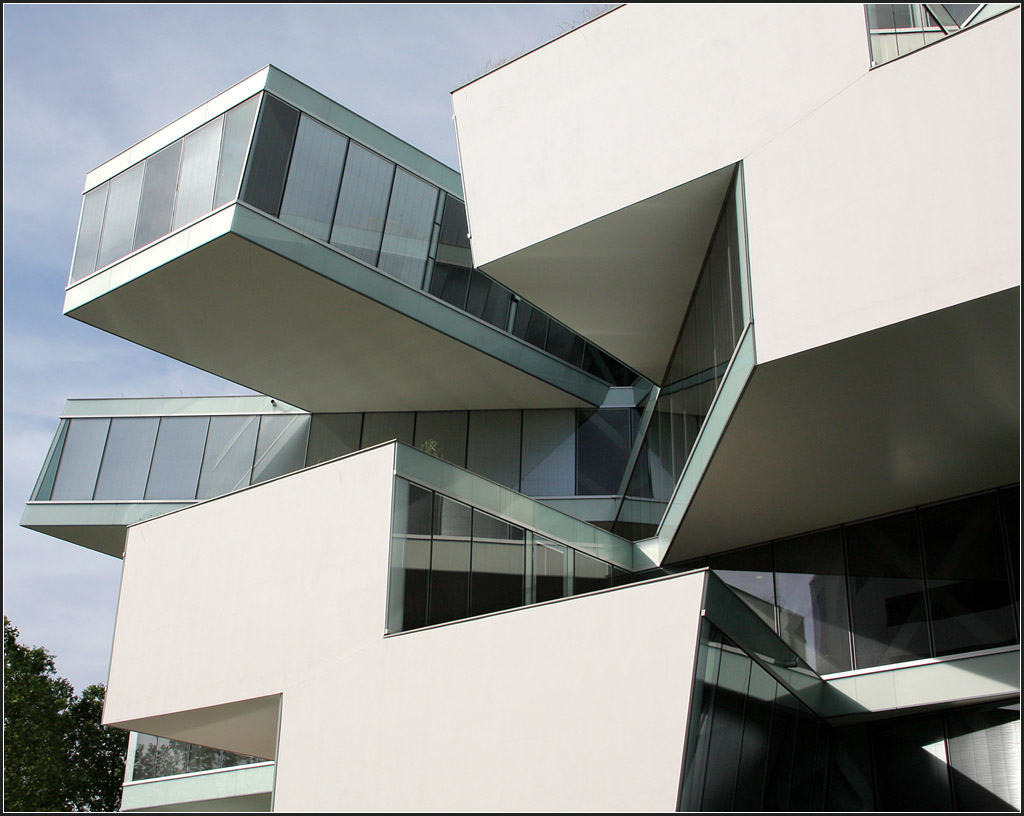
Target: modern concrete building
(667, 458)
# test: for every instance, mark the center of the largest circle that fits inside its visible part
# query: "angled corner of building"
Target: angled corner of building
(693, 484)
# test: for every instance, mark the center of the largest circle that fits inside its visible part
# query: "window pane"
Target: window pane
(227, 463)
(379, 428)
(362, 204)
(333, 435)
(237, 130)
(410, 557)
(603, 444)
(158, 194)
(984, 753)
(911, 770)
(280, 447)
(80, 461)
(268, 159)
(549, 452)
(314, 178)
(443, 434)
(499, 565)
(493, 446)
(449, 561)
(127, 457)
(93, 204)
(550, 571)
(119, 219)
(451, 284)
(409, 224)
(749, 573)
(453, 240)
(198, 177)
(811, 585)
(886, 591)
(590, 574)
(177, 458)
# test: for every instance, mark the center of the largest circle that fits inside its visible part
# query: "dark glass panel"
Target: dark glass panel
(911, 766)
(453, 238)
(549, 452)
(984, 758)
(781, 746)
(80, 460)
(968, 585)
(227, 462)
(410, 221)
(1010, 500)
(314, 178)
(749, 573)
(363, 204)
(811, 586)
(379, 428)
(605, 367)
(451, 284)
(850, 783)
(408, 576)
(479, 287)
(801, 787)
(886, 591)
(126, 459)
(270, 154)
(197, 178)
(94, 203)
(602, 450)
(499, 565)
(590, 574)
(450, 561)
(493, 448)
(177, 458)
(119, 219)
(333, 435)
(158, 191)
(237, 130)
(702, 706)
(443, 434)
(564, 343)
(488, 300)
(280, 446)
(726, 731)
(757, 724)
(550, 571)
(880, 15)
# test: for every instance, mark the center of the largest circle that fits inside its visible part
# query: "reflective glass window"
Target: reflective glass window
(197, 180)
(781, 750)
(564, 343)
(333, 435)
(384, 427)
(603, 441)
(313, 179)
(984, 756)
(499, 565)
(589, 574)
(280, 446)
(453, 239)
(127, 457)
(451, 284)
(493, 447)
(443, 434)
(757, 722)
(237, 131)
(158, 191)
(271, 151)
(407, 231)
(549, 452)
(531, 324)
(886, 588)
(93, 204)
(177, 458)
(911, 765)
(227, 462)
(749, 573)
(969, 595)
(80, 460)
(551, 576)
(726, 731)
(410, 557)
(119, 219)
(362, 204)
(811, 587)
(450, 560)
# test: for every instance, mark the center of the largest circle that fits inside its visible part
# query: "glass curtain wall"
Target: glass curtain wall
(897, 29)
(450, 561)
(156, 757)
(927, 582)
(164, 192)
(711, 330)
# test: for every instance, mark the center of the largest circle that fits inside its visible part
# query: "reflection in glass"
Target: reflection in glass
(197, 180)
(499, 565)
(237, 130)
(748, 572)
(280, 446)
(493, 447)
(551, 577)
(603, 442)
(984, 755)
(911, 765)
(407, 230)
(271, 150)
(409, 572)
(120, 216)
(93, 204)
(158, 191)
(449, 561)
(886, 591)
(443, 434)
(127, 458)
(362, 204)
(227, 463)
(177, 458)
(589, 574)
(313, 179)
(333, 435)
(384, 427)
(80, 460)
(549, 452)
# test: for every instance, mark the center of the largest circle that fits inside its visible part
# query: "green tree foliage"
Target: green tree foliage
(57, 756)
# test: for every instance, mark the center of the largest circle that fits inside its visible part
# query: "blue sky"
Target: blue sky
(83, 83)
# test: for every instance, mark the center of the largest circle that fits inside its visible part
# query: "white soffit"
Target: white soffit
(624, 280)
(908, 414)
